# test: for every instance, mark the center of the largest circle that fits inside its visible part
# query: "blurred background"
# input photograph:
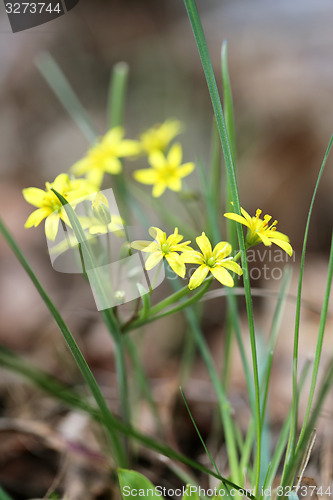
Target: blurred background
(281, 70)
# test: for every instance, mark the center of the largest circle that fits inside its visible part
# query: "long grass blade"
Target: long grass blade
(64, 92)
(293, 430)
(231, 176)
(107, 417)
(70, 397)
(320, 339)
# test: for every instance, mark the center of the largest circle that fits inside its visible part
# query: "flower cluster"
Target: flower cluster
(217, 260)
(178, 254)
(166, 170)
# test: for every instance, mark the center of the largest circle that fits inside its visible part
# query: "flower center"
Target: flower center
(165, 248)
(211, 262)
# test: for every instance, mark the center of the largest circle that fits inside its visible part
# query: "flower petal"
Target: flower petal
(159, 189)
(51, 226)
(157, 233)
(146, 176)
(61, 183)
(237, 218)
(233, 266)
(198, 276)
(204, 245)
(277, 235)
(266, 241)
(175, 184)
(34, 196)
(192, 257)
(153, 260)
(113, 137)
(157, 159)
(112, 165)
(222, 276)
(176, 263)
(246, 215)
(95, 176)
(185, 169)
(284, 245)
(175, 155)
(82, 166)
(37, 216)
(145, 246)
(222, 250)
(128, 148)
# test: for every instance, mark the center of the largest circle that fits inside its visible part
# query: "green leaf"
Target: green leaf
(133, 484)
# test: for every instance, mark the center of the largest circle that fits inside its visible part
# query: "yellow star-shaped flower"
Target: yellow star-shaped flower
(166, 171)
(104, 156)
(49, 206)
(215, 261)
(159, 137)
(164, 247)
(259, 230)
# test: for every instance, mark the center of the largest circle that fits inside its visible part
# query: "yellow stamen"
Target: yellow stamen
(258, 213)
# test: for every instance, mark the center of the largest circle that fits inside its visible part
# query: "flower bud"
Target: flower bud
(100, 209)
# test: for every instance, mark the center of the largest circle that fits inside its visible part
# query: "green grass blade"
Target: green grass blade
(64, 92)
(212, 461)
(293, 430)
(101, 291)
(325, 387)
(224, 404)
(67, 395)
(117, 93)
(215, 170)
(274, 334)
(320, 339)
(4, 495)
(108, 418)
(44, 381)
(283, 438)
(228, 102)
(231, 176)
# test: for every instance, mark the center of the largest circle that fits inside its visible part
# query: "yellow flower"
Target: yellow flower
(48, 203)
(104, 156)
(214, 261)
(164, 247)
(259, 230)
(166, 171)
(159, 137)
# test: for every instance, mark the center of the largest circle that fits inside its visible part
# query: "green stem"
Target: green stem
(216, 102)
(179, 307)
(117, 93)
